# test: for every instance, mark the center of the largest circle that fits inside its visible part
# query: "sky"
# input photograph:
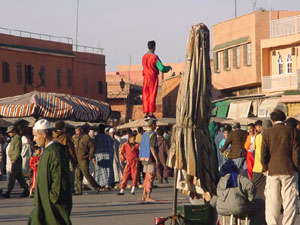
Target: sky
(123, 27)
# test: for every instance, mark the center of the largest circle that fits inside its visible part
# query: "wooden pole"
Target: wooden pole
(174, 205)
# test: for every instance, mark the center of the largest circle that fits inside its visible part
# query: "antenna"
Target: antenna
(129, 67)
(254, 5)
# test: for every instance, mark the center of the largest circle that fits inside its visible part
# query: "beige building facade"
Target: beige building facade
(280, 56)
(237, 52)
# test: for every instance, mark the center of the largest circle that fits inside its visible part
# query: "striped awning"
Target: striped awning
(53, 105)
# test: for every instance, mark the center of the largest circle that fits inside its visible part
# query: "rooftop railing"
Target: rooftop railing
(27, 34)
(283, 27)
(47, 37)
(87, 49)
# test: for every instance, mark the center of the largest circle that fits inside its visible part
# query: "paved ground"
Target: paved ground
(104, 208)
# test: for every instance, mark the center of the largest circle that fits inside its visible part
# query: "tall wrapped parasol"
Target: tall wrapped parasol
(191, 153)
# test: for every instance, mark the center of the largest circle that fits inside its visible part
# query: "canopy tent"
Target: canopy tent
(54, 105)
(268, 106)
(191, 152)
(220, 109)
(239, 109)
(142, 123)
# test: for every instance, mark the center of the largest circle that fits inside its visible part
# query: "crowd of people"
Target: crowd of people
(259, 170)
(54, 161)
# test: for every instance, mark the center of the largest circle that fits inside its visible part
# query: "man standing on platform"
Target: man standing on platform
(151, 67)
(148, 156)
(52, 195)
(85, 152)
(14, 154)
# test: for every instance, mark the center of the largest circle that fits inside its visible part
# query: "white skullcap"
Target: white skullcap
(42, 125)
(112, 130)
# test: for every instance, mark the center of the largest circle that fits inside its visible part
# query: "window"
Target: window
(289, 64)
(227, 59)
(100, 87)
(86, 86)
(238, 57)
(58, 77)
(42, 75)
(29, 74)
(69, 78)
(279, 64)
(19, 73)
(217, 62)
(5, 72)
(247, 55)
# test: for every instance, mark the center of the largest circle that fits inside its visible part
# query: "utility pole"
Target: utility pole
(235, 9)
(77, 25)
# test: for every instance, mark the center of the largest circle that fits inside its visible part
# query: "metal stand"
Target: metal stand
(174, 203)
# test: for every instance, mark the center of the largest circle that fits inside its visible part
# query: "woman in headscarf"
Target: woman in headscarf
(236, 195)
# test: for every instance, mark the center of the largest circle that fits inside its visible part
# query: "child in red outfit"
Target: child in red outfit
(34, 160)
(129, 153)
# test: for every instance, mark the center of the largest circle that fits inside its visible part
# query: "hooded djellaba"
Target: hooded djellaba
(52, 195)
(236, 195)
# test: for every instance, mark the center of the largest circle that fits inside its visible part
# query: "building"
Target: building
(281, 62)
(237, 52)
(124, 98)
(32, 61)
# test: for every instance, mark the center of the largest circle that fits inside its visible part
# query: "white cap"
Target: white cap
(112, 130)
(42, 124)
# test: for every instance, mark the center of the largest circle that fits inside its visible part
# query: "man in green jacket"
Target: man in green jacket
(52, 195)
(14, 152)
(85, 151)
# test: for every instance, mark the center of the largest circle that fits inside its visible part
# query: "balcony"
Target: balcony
(284, 27)
(280, 82)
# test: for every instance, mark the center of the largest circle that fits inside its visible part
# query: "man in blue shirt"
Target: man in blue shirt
(148, 156)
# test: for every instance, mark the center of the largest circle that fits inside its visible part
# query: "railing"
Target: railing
(280, 82)
(283, 27)
(87, 49)
(45, 37)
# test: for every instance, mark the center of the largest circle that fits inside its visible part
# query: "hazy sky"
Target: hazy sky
(123, 27)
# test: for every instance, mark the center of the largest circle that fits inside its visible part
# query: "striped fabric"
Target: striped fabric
(53, 105)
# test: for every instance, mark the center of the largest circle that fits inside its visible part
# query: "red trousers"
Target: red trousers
(148, 182)
(130, 170)
(150, 86)
(250, 164)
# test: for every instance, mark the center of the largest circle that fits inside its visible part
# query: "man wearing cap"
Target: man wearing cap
(85, 150)
(237, 139)
(14, 154)
(148, 156)
(52, 195)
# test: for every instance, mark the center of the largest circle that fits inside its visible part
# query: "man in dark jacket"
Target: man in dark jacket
(237, 139)
(85, 152)
(162, 171)
(280, 159)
